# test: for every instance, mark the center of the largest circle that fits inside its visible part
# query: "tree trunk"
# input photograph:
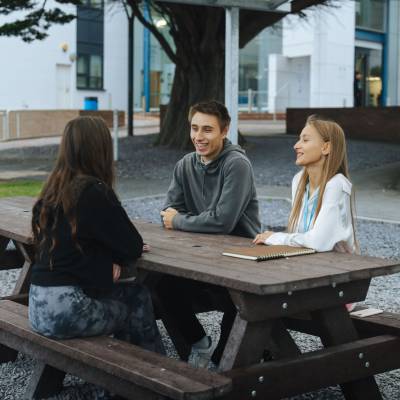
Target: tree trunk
(203, 80)
(198, 33)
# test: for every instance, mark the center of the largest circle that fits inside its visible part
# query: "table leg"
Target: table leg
(246, 343)
(3, 248)
(46, 381)
(182, 347)
(23, 282)
(3, 245)
(282, 344)
(337, 328)
(7, 354)
(9, 259)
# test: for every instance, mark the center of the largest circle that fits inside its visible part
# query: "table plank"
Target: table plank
(199, 257)
(15, 218)
(173, 252)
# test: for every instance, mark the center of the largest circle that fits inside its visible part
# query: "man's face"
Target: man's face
(207, 136)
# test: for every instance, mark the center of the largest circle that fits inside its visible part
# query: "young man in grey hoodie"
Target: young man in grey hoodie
(212, 191)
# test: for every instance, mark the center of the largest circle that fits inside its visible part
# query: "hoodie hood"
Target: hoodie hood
(214, 164)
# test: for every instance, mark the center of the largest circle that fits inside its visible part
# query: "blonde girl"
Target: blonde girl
(321, 217)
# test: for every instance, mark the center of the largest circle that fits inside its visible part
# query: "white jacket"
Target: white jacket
(332, 229)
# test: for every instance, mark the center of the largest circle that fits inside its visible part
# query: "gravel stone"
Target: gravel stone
(272, 158)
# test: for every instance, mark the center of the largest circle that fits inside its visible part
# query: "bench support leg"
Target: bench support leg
(45, 381)
(245, 344)
(337, 328)
(7, 354)
(24, 279)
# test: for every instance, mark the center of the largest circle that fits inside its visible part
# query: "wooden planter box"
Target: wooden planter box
(367, 123)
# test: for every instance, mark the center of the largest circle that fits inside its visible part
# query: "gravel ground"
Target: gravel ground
(376, 239)
(272, 158)
(273, 162)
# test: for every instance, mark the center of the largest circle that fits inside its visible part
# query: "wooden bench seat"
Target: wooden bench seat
(379, 324)
(120, 367)
(385, 323)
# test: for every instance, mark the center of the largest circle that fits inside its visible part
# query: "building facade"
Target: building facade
(78, 61)
(338, 57)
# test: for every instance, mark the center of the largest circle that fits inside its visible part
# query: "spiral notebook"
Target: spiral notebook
(263, 253)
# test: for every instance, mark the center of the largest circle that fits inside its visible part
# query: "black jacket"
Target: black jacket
(105, 235)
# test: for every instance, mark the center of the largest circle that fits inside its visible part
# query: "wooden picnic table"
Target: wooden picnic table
(272, 294)
(269, 296)
(15, 227)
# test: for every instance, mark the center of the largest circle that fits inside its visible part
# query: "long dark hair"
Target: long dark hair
(85, 151)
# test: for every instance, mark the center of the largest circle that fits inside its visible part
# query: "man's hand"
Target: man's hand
(262, 237)
(167, 216)
(116, 272)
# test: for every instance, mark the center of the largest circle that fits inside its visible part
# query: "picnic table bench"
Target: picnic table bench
(15, 221)
(123, 368)
(305, 293)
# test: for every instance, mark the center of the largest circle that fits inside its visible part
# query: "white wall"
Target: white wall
(289, 82)
(115, 92)
(327, 37)
(393, 64)
(28, 70)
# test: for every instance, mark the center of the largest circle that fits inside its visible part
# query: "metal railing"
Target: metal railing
(5, 129)
(248, 100)
(253, 100)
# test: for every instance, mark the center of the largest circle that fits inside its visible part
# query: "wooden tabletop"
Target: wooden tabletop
(15, 218)
(199, 257)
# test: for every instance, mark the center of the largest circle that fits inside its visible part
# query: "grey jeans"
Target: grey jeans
(64, 312)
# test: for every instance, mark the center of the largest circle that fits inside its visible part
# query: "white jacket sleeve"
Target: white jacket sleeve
(332, 225)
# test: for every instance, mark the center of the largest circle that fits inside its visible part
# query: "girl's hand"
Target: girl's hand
(146, 248)
(116, 272)
(262, 237)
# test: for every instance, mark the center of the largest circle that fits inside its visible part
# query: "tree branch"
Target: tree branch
(153, 29)
(259, 21)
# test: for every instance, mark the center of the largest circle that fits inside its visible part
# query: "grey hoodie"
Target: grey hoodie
(219, 197)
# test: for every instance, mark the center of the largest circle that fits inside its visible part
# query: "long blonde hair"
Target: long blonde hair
(335, 162)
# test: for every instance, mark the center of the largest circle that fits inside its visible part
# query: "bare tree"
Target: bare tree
(198, 34)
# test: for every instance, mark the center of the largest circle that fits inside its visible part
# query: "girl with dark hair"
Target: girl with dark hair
(83, 236)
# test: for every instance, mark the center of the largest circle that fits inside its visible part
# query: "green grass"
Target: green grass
(20, 188)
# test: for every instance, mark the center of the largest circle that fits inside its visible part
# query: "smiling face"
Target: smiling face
(310, 148)
(207, 136)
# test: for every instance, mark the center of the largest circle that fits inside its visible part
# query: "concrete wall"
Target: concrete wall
(24, 124)
(324, 40)
(3, 128)
(289, 82)
(393, 58)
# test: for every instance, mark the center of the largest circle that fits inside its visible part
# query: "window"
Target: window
(370, 14)
(93, 3)
(90, 45)
(89, 71)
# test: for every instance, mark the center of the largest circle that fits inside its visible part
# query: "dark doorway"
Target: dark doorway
(368, 77)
